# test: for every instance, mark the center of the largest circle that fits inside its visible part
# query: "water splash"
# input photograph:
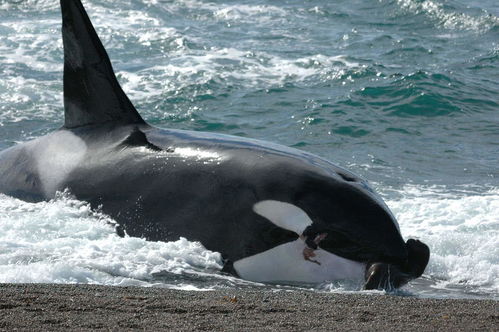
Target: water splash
(450, 18)
(462, 231)
(64, 241)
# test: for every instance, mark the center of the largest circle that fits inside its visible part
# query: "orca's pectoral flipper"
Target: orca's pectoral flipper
(92, 94)
(137, 138)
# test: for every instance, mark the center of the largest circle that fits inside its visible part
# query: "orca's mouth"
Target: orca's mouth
(383, 271)
(386, 276)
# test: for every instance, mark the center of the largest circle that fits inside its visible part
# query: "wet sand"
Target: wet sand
(85, 307)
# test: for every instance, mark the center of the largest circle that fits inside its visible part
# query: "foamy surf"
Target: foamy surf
(64, 241)
(462, 231)
(450, 18)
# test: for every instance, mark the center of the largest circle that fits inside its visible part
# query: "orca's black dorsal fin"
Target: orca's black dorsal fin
(92, 94)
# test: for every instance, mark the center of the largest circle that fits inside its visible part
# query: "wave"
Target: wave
(235, 67)
(64, 241)
(462, 231)
(240, 13)
(29, 5)
(422, 94)
(449, 17)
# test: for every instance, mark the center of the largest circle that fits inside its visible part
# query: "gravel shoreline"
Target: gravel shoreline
(87, 307)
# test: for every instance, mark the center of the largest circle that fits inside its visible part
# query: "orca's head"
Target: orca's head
(358, 225)
(389, 276)
(344, 217)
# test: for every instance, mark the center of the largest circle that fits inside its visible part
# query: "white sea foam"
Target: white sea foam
(32, 43)
(29, 5)
(64, 241)
(462, 231)
(18, 96)
(243, 12)
(450, 19)
(27, 49)
(245, 68)
(240, 13)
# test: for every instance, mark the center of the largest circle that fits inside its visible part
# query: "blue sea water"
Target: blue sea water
(403, 92)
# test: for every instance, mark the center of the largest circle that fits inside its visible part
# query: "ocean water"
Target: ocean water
(403, 92)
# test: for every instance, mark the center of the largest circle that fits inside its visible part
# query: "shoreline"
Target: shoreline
(57, 307)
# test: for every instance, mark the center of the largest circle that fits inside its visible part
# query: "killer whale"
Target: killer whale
(274, 213)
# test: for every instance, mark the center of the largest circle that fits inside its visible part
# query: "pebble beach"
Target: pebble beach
(52, 307)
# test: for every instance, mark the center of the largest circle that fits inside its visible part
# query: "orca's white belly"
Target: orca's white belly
(286, 263)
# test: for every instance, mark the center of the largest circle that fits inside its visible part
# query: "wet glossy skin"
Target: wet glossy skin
(203, 187)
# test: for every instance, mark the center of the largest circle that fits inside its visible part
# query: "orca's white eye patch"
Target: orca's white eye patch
(284, 215)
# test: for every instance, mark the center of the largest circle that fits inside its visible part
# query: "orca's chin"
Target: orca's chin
(388, 277)
(384, 276)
